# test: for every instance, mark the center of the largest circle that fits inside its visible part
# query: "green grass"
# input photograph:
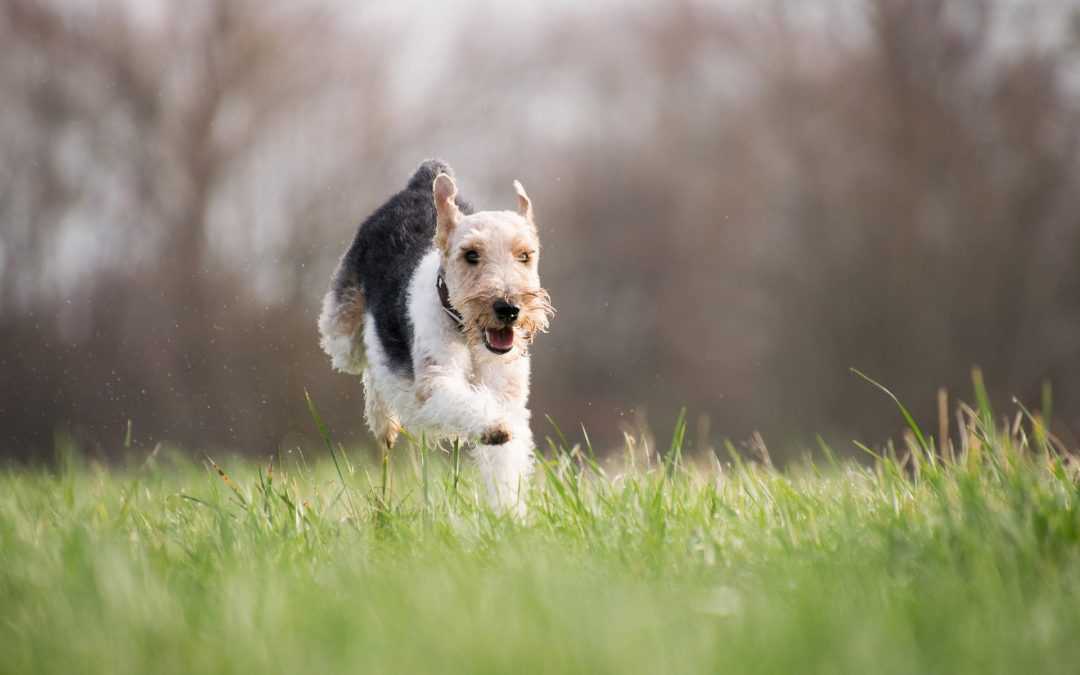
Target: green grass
(922, 564)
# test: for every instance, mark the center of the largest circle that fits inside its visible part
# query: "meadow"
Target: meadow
(923, 557)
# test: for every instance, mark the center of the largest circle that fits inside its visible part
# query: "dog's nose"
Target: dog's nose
(505, 312)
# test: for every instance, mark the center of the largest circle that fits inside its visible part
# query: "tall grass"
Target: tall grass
(931, 556)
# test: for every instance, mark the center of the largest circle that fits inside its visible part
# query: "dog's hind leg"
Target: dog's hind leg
(381, 418)
(340, 323)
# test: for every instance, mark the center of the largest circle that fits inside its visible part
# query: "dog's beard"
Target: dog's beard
(482, 327)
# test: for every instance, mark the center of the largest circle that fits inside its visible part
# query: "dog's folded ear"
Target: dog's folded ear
(524, 203)
(444, 190)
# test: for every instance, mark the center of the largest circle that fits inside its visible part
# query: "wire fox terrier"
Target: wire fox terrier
(447, 301)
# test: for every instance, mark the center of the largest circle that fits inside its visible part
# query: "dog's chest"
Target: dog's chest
(508, 379)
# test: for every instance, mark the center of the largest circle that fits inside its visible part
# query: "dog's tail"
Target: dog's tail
(425, 174)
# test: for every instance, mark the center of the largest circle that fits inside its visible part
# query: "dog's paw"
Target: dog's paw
(496, 435)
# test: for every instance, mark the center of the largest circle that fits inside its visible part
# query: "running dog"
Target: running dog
(435, 306)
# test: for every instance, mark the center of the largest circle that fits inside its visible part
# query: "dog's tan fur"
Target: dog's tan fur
(339, 324)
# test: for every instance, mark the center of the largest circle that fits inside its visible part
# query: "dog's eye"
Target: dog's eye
(472, 257)
(524, 257)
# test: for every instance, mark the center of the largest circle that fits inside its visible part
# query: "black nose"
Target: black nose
(505, 312)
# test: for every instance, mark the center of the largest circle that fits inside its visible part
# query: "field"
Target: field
(919, 559)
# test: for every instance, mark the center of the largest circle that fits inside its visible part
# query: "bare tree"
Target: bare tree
(737, 204)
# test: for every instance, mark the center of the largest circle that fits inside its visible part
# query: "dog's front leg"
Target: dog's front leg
(505, 469)
(456, 407)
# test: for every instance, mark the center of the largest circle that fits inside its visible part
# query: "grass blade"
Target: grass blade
(912, 424)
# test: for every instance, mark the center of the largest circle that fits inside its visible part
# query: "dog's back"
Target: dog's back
(373, 276)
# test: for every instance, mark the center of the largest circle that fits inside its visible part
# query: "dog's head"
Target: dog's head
(490, 262)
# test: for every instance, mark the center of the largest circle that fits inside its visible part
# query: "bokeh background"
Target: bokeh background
(739, 201)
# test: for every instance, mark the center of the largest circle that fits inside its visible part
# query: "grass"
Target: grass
(925, 560)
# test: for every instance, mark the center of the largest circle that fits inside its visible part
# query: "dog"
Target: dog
(435, 306)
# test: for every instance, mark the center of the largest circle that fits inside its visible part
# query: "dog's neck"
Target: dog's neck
(444, 299)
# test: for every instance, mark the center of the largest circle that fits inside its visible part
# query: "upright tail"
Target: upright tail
(425, 174)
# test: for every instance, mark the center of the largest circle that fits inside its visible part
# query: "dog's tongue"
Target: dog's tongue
(500, 338)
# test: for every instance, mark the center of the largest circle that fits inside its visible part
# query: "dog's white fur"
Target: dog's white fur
(460, 389)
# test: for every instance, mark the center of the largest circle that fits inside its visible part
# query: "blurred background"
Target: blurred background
(739, 201)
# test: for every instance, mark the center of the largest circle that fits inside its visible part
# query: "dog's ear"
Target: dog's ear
(446, 209)
(524, 204)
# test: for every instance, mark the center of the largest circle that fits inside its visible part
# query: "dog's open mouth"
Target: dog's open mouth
(499, 340)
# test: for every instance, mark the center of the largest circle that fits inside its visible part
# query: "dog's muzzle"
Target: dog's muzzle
(501, 340)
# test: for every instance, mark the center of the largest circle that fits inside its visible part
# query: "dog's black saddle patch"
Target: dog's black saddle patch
(384, 255)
